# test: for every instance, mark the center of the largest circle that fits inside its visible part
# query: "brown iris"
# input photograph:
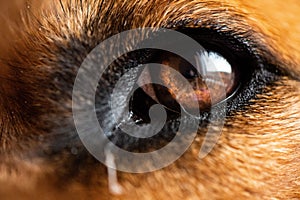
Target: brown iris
(212, 79)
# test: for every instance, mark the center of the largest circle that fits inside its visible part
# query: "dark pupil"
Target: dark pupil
(188, 72)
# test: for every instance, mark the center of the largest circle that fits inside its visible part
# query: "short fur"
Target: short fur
(256, 157)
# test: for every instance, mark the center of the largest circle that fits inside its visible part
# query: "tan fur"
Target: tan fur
(257, 156)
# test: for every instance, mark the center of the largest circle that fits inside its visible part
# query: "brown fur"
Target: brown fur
(257, 156)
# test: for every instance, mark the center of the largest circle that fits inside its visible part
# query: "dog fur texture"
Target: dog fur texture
(42, 46)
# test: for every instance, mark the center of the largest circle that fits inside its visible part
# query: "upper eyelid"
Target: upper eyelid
(239, 31)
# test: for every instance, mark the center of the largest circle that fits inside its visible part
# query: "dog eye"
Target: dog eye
(240, 73)
(242, 70)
